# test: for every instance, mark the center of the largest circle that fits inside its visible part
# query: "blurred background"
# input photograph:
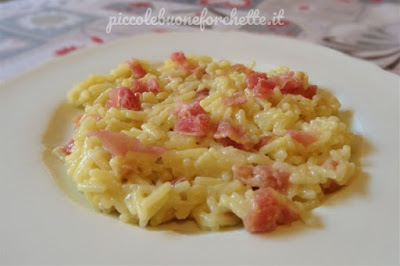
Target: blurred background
(34, 31)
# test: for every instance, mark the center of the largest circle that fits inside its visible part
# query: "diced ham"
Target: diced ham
(229, 135)
(236, 99)
(118, 144)
(200, 95)
(196, 109)
(68, 147)
(253, 79)
(180, 59)
(264, 140)
(330, 186)
(282, 79)
(262, 176)
(138, 86)
(194, 120)
(113, 98)
(261, 86)
(197, 125)
(305, 138)
(292, 86)
(137, 69)
(264, 88)
(151, 85)
(309, 92)
(268, 211)
(289, 84)
(125, 98)
(186, 109)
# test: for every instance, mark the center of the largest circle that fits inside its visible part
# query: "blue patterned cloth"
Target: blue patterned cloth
(33, 31)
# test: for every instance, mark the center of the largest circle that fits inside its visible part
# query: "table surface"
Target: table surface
(34, 31)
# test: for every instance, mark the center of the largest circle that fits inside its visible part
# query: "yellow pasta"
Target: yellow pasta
(206, 140)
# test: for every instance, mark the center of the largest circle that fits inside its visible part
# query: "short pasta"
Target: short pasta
(211, 141)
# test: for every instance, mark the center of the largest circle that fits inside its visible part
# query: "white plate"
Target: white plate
(40, 224)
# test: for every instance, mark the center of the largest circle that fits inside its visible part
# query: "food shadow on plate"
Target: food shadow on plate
(189, 227)
(58, 131)
(362, 148)
(358, 185)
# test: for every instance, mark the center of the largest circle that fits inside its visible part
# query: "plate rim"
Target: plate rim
(13, 81)
(107, 45)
